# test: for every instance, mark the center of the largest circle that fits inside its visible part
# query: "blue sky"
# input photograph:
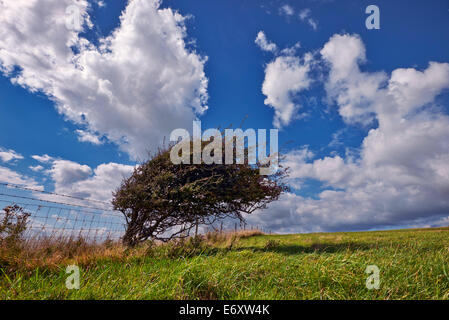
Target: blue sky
(170, 62)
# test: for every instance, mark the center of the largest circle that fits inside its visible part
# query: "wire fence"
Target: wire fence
(58, 216)
(53, 215)
(230, 226)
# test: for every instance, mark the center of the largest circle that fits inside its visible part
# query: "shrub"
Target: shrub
(13, 225)
(271, 245)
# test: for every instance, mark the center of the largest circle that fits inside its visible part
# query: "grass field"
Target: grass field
(414, 264)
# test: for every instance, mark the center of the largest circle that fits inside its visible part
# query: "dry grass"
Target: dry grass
(217, 237)
(50, 253)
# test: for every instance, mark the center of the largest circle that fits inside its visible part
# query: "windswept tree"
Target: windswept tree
(162, 200)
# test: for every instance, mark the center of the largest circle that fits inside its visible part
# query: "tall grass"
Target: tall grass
(50, 253)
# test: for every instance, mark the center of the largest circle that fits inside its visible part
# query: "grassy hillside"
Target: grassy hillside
(414, 264)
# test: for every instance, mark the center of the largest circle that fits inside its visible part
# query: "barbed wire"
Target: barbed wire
(25, 204)
(56, 202)
(51, 193)
(60, 220)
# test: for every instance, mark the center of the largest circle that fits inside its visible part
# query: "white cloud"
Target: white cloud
(10, 176)
(85, 136)
(65, 172)
(44, 158)
(291, 51)
(285, 77)
(141, 83)
(264, 44)
(100, 3)
(313, 23)
(71, 178)
(412, 88)
(286, 10)
(8, 155)
(401, 174)
(305, 15)
(36, 168)
(105, 179)
(354, 91)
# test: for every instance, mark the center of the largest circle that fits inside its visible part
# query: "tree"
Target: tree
(162, 200)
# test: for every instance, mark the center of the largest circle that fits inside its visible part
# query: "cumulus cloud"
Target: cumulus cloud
(66, 173)
(9, 155)
(74, 179)
(285, 77)
(85, 136)
(401, 174)
(354, 91)
(36, 168)
(264, 44)
(10, 176)
(44, 158)
(80, 180)
(412, 88)
(134, 88)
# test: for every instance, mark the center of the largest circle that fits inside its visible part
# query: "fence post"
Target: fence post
(196, 228)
